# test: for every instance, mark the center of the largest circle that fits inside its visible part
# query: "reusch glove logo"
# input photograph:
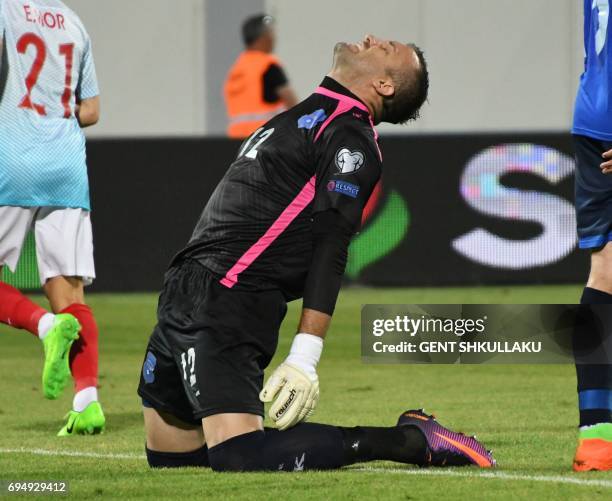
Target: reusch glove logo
(286, 405)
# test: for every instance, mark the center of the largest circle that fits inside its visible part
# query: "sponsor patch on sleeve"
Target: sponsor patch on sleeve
(344, 188)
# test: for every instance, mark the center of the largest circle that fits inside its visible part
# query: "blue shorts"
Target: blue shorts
(593, 191)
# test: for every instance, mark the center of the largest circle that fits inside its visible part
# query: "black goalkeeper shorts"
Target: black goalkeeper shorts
(209, 349)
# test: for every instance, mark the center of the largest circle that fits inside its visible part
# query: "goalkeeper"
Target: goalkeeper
(277, 228)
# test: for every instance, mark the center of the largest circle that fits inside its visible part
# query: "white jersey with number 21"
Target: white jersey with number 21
(46, 68)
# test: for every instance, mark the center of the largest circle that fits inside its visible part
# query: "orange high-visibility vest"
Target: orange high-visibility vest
(246, 108)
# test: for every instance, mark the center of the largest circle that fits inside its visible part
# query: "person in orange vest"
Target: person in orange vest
(256, 88)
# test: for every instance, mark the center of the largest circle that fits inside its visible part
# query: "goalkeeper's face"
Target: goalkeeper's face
(372, 57)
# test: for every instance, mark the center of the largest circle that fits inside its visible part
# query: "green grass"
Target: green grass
(527, 414)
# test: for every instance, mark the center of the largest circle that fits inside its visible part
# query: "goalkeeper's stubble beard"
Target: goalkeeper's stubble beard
(350, 68)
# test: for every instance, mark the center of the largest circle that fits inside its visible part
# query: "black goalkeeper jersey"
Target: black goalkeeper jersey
(256, 230)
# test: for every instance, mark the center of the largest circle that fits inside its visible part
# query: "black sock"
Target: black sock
(594, 378)
(305, 446)
(311, 446)
(403, 444)
(198, 457)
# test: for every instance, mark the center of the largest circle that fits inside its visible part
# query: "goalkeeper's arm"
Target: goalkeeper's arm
(295, 381)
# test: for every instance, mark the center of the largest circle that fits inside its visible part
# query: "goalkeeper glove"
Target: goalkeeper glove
(294, 385)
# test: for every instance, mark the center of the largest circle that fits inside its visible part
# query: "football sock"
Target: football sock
(198, 457)
(44, 325)
(595, 406)
(311, 446)
(83, 398)
(594, 379)
(403, 444)
(18, 311)
(601, 431)
(84, 351)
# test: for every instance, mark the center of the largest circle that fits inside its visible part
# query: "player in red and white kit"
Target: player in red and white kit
(48, 93)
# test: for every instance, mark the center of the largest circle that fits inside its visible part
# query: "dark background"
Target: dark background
(148, 194)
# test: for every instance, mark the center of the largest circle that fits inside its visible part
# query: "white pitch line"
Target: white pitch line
(77, 454)
(499, 475)
(495, 475)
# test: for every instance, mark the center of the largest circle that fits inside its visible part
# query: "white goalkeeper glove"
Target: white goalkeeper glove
(295, 382)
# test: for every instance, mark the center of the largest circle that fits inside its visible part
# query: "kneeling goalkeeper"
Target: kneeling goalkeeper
(277, 228)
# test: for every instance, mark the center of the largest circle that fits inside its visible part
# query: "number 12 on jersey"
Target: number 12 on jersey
(252, 153)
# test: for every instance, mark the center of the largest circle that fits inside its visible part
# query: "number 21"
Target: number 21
(66, 50)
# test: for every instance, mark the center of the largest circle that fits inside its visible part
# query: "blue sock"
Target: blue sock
(595, 406)
(594, 379)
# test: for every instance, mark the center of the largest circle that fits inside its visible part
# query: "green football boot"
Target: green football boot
(89, 422)
(57, 343)
(594, 450)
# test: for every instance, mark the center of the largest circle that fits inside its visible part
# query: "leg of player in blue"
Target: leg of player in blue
(592, 338)
(594, 450)
(592, 133)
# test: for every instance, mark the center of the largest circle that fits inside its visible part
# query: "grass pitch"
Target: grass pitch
(526, 414)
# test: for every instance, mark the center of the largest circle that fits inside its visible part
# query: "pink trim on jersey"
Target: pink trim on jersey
(345, 103)
(342, 98)
(293, 210)
(376, 139)
(303, 198)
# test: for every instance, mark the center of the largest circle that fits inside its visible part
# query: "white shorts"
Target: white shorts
(64, 240)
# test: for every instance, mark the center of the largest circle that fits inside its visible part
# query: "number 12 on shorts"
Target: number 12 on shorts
(188, 363)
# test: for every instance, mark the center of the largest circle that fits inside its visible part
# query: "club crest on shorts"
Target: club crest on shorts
(348, 161)
(148, 368)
